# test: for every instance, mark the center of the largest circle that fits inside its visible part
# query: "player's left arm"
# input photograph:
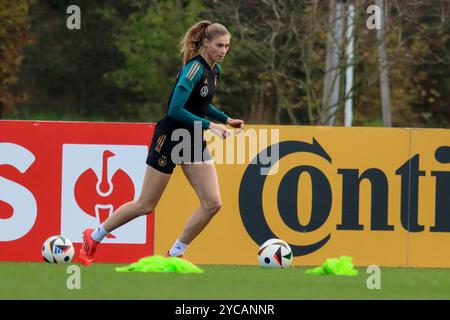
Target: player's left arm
(215, 114)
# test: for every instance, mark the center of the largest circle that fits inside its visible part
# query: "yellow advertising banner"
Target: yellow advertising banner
(380, 195)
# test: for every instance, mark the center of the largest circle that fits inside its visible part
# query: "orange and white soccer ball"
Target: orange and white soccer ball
(58, 249)
(275, 253)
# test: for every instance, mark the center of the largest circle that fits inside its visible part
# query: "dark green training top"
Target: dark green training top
(192, 94)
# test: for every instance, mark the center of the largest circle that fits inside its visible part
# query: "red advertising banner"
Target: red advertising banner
(63, 177)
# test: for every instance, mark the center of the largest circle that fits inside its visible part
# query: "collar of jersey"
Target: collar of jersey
(199, 56)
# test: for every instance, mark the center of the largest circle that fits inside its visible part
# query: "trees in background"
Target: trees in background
(14, 27)
(149, 42)
(63, 74)
(288, 64)
(394, 64)
(119, 66)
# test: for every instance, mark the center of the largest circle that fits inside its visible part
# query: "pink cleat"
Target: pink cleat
(88, 247)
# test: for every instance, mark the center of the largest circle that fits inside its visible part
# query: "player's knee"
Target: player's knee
(212, 206)
(145, 207)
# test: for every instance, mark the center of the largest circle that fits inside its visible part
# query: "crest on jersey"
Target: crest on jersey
(162, 161)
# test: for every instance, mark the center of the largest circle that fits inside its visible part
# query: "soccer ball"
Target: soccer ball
(275, 253)
(58, 249)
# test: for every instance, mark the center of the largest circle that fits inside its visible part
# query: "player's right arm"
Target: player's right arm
(189, 77)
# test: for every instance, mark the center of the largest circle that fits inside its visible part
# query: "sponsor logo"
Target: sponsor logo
(204, 91)
(18, 206)
(96, 181)
(252, 185)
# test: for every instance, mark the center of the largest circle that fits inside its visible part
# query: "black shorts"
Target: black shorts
(162, 158)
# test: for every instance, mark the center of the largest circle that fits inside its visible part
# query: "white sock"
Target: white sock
(99, 233)
(177, 249)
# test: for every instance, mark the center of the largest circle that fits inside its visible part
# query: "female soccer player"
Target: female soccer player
(203, 47)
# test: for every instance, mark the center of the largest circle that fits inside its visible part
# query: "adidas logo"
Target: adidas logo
(60, 249)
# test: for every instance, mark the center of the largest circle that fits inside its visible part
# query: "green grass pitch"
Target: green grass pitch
(100, 281)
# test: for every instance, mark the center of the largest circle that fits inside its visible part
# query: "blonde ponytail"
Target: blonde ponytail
(193, 39)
